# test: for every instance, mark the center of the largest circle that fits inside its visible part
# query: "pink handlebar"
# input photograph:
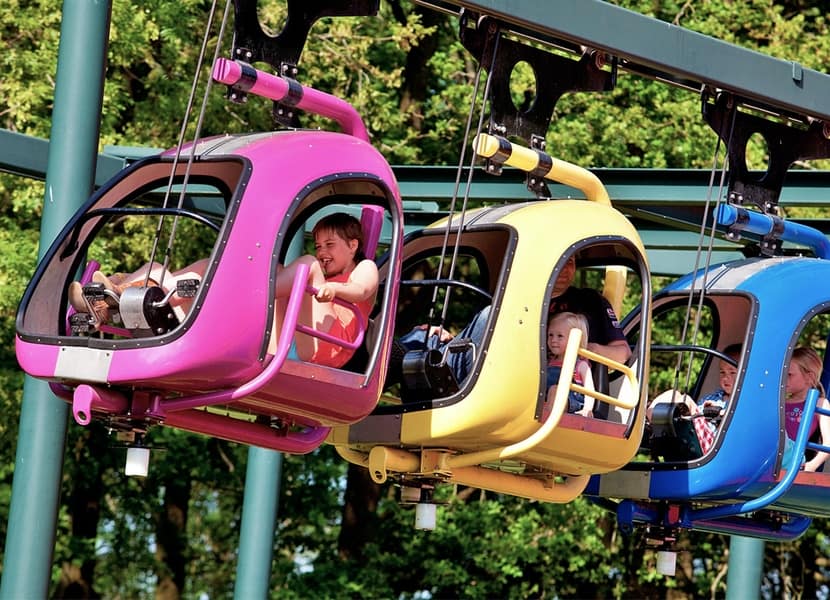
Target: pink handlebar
(292, 311)
(327, 337)
(290, 324)
(245, 77)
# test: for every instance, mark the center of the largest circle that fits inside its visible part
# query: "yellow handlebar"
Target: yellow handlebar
(503, 151)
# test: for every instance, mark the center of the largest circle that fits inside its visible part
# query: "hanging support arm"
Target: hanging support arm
(252, 44)
(787, 143)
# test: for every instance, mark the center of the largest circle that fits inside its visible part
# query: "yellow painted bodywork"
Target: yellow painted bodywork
(500, 410)
(468, 440)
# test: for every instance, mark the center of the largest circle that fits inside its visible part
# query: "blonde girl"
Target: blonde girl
(803, 374)
(559, 328)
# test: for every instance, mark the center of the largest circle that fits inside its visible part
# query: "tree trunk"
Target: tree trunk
(359, 513)
(171, 538)
(77, 581)
(416, 72)
(809, 566)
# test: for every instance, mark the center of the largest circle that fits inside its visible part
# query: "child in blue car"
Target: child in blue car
(727, 373)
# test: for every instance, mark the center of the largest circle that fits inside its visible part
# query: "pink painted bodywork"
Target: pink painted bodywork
(218, 359)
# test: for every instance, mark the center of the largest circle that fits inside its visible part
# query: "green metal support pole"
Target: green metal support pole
(260, 506)
(746, 563)
(259, 519)
(73, 150)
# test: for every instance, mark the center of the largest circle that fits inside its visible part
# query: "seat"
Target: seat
(371, 222)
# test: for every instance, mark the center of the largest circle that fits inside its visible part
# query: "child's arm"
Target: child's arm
(362, 285)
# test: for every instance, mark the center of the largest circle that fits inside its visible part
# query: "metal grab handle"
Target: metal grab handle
(502, 150)
(559, 407)
(691, 516)
(327, 337)
(292, 311)
(627, 371)
(823, 447)
(275, 87)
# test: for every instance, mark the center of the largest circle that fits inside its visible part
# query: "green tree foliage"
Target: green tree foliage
(175, 533)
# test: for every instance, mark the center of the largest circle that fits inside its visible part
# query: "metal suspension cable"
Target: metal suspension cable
(180, 142)
(707, 262)
(468, 184)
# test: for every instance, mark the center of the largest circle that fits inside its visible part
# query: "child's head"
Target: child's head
(344, 226)
(729, 372)
(804, 372)
(559, 328)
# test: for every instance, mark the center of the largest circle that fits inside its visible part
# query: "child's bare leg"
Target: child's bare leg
(152, 270)
(276, 327)
(159, 275)
(549, 404)
(196, 270)
(551, 394)
(285, 280)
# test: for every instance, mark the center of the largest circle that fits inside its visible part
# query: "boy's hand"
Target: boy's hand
(443, 334)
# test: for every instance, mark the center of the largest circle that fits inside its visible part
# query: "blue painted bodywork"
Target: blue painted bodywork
(781, 295)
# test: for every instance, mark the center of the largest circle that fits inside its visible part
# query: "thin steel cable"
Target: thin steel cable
(454, 199)
(182, 133)
(708, 259)
(469, 182)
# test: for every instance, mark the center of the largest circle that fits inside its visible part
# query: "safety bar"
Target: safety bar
(627, 372)
(689, 516)
(245, 78)
(630, 512)
(785, 531)
(382, 459)
(560, 404)
(814, 445)
(247, 432)
(325, 336)
(536, 162)
(292, 311)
